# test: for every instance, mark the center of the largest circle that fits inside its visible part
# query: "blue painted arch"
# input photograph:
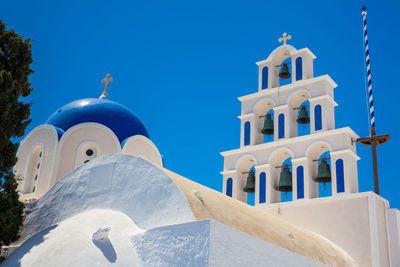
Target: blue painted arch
(229, 186)
(263, 183)
(247, 133)
(123, 122)
(264, 78)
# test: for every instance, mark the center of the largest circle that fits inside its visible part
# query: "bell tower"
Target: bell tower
(289, 145)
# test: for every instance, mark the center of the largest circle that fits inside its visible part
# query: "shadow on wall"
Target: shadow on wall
(16, 256)
(107, 249)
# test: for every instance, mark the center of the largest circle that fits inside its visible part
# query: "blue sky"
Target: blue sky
(180, 65)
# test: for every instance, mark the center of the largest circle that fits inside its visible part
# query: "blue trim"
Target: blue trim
(229, 185)
(300, 182)
(262, 187)
(59, 133)
(318, 117)
(339, 176)
(281, 122)
(264, 78)
(299, 68)
(247, 133)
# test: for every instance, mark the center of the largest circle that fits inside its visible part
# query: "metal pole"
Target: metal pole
(373, 140)
(374, 160)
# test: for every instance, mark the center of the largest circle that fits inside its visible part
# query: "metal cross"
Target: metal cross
(284, 38)
(106, 81)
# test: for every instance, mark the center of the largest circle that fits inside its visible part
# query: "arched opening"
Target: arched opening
(32, 176)
(261, 109)
(318, 117)
(299, 68)
(340, 175)
(324, 188)
(229, 185)
(320, 168)
(281, 175)
(303, 127)
(268, 126)
(300, 182)
(247, 133)
(264, 78)
(287, 167)
(299, 113)
(250, 195)
(263, 188)
(286, 65)
(245, 184)
(281, 126)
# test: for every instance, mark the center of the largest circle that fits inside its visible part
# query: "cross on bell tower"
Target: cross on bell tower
(285, 37)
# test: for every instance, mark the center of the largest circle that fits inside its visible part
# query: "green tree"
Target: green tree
(15, 60)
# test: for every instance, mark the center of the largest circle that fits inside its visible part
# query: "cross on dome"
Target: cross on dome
(284, 38)
(106, 81)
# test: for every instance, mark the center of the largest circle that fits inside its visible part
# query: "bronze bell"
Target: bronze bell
(303, 117)
(285, 180)
(324, 172)
(268, 126)
(284, 72)
(251, 183)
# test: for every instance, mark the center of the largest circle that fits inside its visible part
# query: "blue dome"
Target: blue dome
(115, 116)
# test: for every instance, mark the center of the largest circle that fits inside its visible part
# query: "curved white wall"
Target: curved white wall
(76, 138)
(39, 147)
(143, 147)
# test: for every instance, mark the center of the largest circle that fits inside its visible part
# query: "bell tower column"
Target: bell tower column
(226, 176)
(327, 113)
(250, 118)
(349, 170)
(239, 183)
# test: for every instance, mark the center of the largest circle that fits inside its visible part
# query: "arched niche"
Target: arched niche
(72, 140)
(325, 189)
(31, 178)
(276, 159)
(260, 109)
(295, 100)
(243, 165)
(143, 147)
(39, 146)
(276, 58)
(314, 152)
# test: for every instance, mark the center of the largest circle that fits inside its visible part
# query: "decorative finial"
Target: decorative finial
(284, 38)
(364, 10)
(106, 81)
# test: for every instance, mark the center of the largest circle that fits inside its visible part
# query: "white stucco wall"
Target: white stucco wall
(355, 222)
(393, 222)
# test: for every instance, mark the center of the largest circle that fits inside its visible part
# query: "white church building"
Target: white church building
(97, 193)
